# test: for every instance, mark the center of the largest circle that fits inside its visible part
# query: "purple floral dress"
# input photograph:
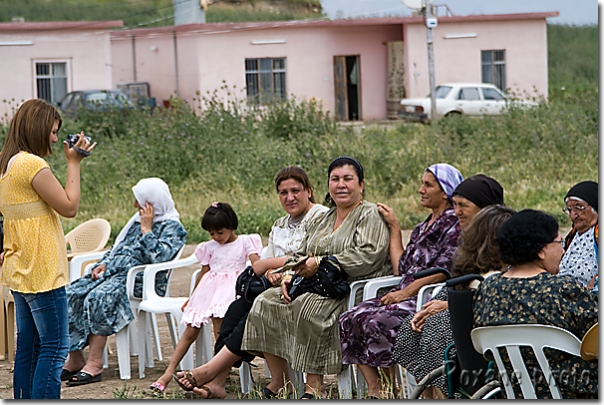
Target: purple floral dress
(368, 331)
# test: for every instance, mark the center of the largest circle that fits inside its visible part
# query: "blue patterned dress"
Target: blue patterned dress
(368, 331)
(102, 307)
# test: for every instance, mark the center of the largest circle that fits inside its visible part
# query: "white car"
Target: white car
(473, 99)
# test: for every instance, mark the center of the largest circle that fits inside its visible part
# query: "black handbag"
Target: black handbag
(330, 281)
(249, 285)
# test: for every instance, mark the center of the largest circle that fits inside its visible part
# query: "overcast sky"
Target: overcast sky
(575, 12)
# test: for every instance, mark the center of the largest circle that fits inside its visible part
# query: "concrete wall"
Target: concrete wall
(458, 59)
(87, 54)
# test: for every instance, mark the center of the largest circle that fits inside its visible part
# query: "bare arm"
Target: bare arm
(63, 200)
(396, 239)
(412, 289)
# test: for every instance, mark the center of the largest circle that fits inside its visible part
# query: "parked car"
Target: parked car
(95, 100)
(472, 99)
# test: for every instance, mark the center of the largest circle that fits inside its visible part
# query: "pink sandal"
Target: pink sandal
(158, 387)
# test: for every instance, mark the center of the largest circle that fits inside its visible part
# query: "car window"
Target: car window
(468, 93)
(492, 94)
(96, 97)
(78, 100)
(442, 91)
(66, 100)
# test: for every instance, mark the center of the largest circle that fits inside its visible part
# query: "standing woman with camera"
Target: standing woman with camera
(35, 257)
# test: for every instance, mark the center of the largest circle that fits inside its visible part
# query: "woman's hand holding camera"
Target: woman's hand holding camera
(80, 149)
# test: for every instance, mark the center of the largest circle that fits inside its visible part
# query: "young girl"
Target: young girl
(222, 259)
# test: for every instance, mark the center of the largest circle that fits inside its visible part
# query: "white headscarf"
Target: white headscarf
(155, 192)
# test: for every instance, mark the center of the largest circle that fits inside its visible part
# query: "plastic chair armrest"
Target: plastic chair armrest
(374, 285)
(354, 287)
(75, 265)
(422, 294)
(152, 269)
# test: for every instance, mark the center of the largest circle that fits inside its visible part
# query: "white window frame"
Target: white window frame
(256, 97)
(68, 74)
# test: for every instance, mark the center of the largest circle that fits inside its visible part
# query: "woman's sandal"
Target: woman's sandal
(268, 394)
(157, 387)
(188, 375)
(307, 395)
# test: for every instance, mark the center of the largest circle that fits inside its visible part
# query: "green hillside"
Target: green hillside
(155, 13)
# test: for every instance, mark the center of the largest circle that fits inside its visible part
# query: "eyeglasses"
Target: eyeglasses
(561, 242)
(576, 208)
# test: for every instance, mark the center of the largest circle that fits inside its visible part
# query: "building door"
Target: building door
(347, 83)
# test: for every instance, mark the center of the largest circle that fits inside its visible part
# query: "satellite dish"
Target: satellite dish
(414, 4)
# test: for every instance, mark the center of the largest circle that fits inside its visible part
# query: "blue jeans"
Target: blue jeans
(42, 344)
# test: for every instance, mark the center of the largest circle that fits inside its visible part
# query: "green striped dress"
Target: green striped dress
(305, 332)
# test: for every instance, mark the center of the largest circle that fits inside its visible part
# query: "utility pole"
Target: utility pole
(431, 22)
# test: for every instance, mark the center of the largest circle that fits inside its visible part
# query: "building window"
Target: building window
(51, 80)
(493, 68)
(265, 80)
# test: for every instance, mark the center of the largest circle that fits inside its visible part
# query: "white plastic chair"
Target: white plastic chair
(152, 304)
(126, 340)
(351, 377)
(511, 338)
(90, 236)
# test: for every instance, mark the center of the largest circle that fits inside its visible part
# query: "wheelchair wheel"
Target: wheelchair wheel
(491, 390)
(427, 381)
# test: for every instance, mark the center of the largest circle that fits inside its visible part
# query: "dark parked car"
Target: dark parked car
(95, 100)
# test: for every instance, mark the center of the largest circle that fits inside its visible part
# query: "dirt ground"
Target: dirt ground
(112, 387)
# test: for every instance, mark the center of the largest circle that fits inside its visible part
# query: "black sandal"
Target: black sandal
(307, 395)
(268, 394)
(83, 378)
(66, 374)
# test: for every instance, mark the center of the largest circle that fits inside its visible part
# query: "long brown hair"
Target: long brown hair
(295, 173)
(478, 252)
(30, 131)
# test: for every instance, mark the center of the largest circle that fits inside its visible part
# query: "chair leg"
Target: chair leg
(345, 383)
(360, 384)
(105, 355)
(156, 336)
(187, 361)
(245, 377)
(142, 343)
(122, 341)
(297, 378)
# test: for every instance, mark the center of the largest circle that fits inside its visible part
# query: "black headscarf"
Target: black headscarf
(481, 190)
(587, 191)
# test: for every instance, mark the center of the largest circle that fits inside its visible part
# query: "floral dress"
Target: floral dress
(548, 300)
(102, 307)
(368, 331)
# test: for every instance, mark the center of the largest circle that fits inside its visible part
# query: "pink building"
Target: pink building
(358, 68)
(49, 59)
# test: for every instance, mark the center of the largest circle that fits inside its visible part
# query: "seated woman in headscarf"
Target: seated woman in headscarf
(368, 331)
(424, 336)
(581, 244)
(98, 302)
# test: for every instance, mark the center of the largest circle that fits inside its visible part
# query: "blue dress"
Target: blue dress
(102, 307)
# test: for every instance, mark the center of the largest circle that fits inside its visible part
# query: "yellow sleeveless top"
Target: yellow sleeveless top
(35, 255)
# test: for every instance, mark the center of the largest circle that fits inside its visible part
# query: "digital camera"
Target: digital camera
(71, 141)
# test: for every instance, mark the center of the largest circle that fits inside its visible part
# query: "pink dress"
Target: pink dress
(216, 289)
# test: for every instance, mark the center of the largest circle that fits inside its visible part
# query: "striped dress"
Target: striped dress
(305, 332)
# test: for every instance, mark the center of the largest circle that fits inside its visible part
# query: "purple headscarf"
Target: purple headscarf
(447, 176)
